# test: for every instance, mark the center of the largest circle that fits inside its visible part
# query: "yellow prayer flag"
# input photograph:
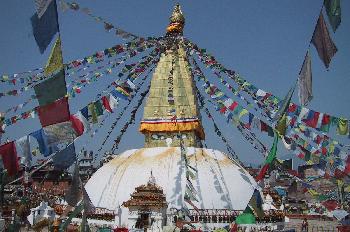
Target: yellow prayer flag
(242, 113)
(340, 183)
(55, 61)
(282, 125)
(309, 162)
(343, 127)
(347, 189)
(313, 192)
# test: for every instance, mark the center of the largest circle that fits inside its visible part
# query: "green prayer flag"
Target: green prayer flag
(98, 108)
(245, 218)
(51, 89)
(343, 126)
(285, 104)
(92, 111)
(220, 230)
(273, 152)
(333, 12)
(322, 197)
(325, 127)
(73, 214)
(307, 155)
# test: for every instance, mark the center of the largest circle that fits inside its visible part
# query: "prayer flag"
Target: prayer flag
(326, 122)
(305, 81)
(9, 158)
(333, 12)
(323, 43)
(330, 204)
(303, 114)
(55, 112)
(312, 119)
(51, 89)
(98, 108)
(46, 26)
(64, 158)
(75, 212)
(59, 133)
(73, 194)
(85, 112)
(41, 6)
(106, 104)
(41, 138)
(271, 156)
(285, 104)
(287, 164)
(131, 84)
(113, 102)
(263, 126)
(88, 206)
(343, 126)
(281, 126)
(256, 203)
(79, 123)
(55, 61)
(93, 113)
(245, 218)
(23, 149)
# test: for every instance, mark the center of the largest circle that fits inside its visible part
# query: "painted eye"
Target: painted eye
(154, 136)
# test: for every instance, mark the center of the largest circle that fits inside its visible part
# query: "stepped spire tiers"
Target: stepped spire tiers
(171, 112)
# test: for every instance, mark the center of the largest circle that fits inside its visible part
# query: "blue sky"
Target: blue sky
(265, 41)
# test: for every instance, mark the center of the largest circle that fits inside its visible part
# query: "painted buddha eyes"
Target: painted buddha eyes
(162, 137)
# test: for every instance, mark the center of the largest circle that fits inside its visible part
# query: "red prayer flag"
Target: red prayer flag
(330, 204)
(234, 228)
(292, 107)
(9, 158)
(312, 122)
(326, 119)
(262, 172)
(55, 112)
(294, 173)
(223, 110)
(106, 104)
(233, 106)
(263, 126)
(77, 125)
(347, 167)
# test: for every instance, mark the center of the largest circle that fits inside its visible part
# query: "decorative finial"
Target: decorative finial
(177, 20)
(177, 15)
(152, 179)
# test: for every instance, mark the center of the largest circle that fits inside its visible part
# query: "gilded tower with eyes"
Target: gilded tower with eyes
(171, 108)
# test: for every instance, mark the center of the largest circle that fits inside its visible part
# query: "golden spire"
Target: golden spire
(177, 20)
(177, 15)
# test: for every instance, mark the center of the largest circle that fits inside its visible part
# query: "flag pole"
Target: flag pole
(2, 189)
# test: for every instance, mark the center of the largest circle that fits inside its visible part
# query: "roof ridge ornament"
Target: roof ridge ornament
(152, 179)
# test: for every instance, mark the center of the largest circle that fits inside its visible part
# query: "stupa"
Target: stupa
(220, 185)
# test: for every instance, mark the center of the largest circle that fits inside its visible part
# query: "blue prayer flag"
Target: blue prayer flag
(64, 158)
(45, 27)
(41, 138)
(85, 112)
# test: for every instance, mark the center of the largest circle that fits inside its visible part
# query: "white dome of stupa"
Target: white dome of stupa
(220, 182)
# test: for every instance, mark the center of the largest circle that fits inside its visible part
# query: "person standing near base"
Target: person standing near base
(305, 226)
